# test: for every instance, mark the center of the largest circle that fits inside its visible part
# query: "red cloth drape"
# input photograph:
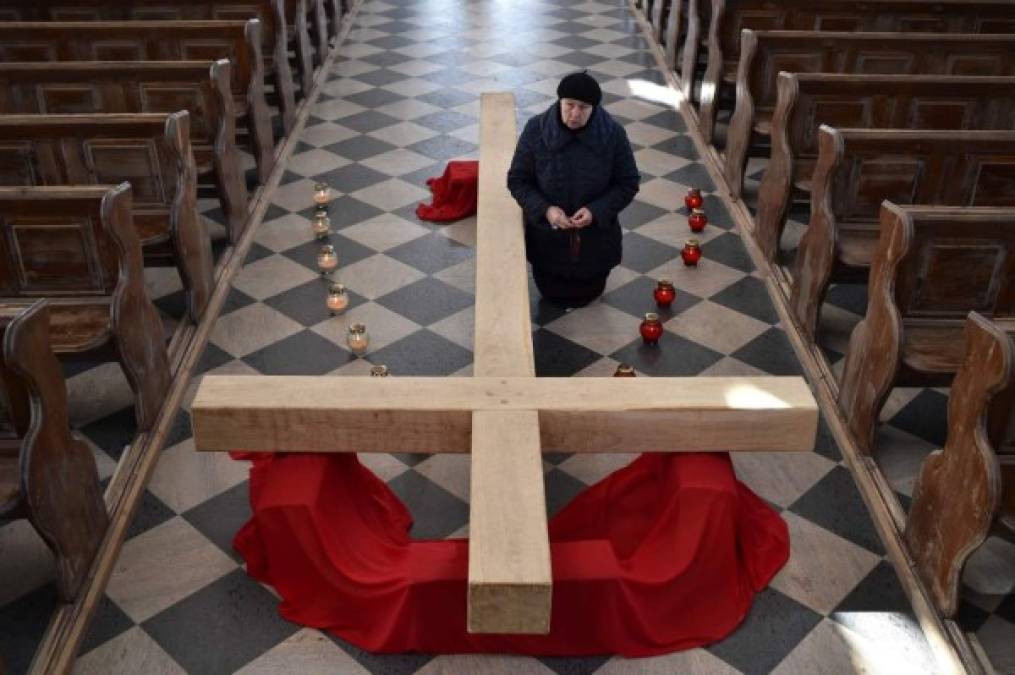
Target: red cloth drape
(454, 193)
(664, 554)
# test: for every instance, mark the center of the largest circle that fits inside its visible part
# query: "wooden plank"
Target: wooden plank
(510, 580)
(503, 341)
(434, 414)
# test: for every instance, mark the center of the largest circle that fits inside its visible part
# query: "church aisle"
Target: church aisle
(402, 100)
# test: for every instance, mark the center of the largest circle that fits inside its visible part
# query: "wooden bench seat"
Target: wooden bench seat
(959, 496)
(46, 475)
(270, 13)
(76, 247)
(729, 17)
(237, 41)
(763, 54)
(932, 266)
(805, 101)
(200, 87)
(152, 151)
(857, 169)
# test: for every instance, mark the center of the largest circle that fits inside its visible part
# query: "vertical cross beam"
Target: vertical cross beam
(509, 551)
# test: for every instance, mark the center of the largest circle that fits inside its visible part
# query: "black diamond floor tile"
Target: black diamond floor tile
(638, 213)
(561, 488)
(635, 298)
(426, 301)
(559, 357)
(431, 253)
(151, 512)
(643, 254)
(375, 98)
(770, 352)
(667, 119)
(926, 417)
(236, 299)
(443, 147)
(729, 250)
(850, 297)
(672, 356)
(436, 512)
(680, 146)
(748, 296)
(211, 358)
(305, 303)
(22, 623)
(221, 627)
(108, 622)
(221, 517)
(369, 120)
(384, 664)
(445, 121)
(305, 353)
(774, 627)
(113, 432)
(835, 504)
(693, 175)
(422, 353)
(347, 250)
(345, 211)
(359, 147)
(350, 178)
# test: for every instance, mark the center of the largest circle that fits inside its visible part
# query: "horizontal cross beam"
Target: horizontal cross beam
(435, 414)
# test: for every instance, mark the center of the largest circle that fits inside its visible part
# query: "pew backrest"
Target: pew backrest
(764, 54)
(857, 169)
(807, 100)
(146, 149)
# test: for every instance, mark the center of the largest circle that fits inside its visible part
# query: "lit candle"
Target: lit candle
(321, 224)
(357, 339)
(337, 299)
(321, 193)
(327, 261)
(379, 371)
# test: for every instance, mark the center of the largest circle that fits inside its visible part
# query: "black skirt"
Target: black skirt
(568, 291)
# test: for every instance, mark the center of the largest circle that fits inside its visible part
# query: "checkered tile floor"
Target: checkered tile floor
(400, 102)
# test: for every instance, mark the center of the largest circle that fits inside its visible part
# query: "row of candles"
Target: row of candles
(651, 328)
(337, 301)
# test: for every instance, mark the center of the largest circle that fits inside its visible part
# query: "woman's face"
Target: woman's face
(574, 113)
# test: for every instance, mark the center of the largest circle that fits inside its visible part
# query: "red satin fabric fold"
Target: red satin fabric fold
(662, 555)
(455, 193)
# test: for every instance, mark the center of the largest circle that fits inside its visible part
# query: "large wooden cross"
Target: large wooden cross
(504, 415)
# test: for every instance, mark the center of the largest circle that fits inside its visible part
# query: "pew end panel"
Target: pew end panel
(957, 496)
(56, 483)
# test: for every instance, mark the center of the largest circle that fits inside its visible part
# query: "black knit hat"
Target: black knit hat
(581, 87)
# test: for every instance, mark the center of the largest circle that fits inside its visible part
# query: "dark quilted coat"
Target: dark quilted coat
(593, 167)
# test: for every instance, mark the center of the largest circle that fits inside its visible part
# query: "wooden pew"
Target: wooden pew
(958, 497)
(729, 17)
(805, 101)
(270, 13)
(238, 41)
(151, 150)
(933, 265)
(763, 54)
(76, 247)
(859, 168)
(200, 87)
(46, 475)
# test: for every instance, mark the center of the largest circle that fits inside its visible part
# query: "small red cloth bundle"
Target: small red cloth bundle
(454, 193)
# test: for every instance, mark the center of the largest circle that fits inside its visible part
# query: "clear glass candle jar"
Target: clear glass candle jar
(327, 260)
(338, 299)
(358, 339)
